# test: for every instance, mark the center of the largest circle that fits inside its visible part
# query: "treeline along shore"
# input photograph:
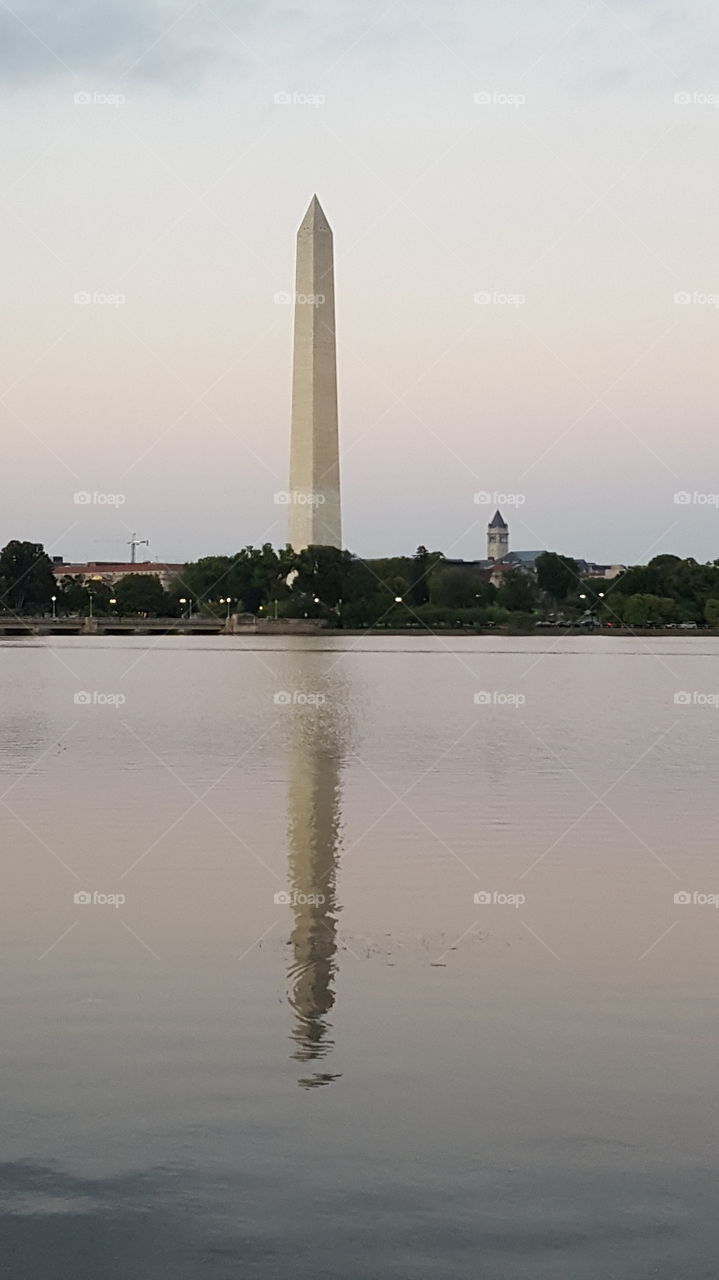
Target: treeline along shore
(337, 590)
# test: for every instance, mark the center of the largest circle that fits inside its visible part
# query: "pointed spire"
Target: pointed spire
(497, 521)
(315, 218)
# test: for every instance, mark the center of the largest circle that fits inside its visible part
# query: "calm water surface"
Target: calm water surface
(299, 1047)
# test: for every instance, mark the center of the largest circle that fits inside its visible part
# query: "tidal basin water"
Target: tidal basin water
(256, 1024)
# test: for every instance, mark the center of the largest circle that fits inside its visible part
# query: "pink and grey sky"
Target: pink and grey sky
(523, 200)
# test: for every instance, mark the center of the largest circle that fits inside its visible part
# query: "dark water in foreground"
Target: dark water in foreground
(379, 1077)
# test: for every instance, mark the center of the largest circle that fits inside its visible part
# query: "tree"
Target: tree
(252, 578)
(418, 585)
(98, 592)
(647, 610)
(27, 581)
(140, 593)
(711, 612)
(517, 592)
(205, 579)
(72, 595)
(557, 575)
(323, 573)
(453, 587)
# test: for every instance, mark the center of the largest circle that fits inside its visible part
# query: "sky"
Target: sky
(523, 199)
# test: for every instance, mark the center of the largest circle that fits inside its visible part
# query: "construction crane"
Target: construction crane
(134, 543)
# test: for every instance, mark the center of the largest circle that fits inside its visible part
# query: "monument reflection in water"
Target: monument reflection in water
(314, 836)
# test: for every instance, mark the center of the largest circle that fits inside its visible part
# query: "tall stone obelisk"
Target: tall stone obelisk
(314, 516)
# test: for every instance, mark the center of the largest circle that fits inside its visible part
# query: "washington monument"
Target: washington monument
(314, 495)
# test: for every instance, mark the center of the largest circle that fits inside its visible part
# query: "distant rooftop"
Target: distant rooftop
(114, 566)
(521, 557)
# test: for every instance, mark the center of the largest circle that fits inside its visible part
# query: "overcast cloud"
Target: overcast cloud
(178, 176)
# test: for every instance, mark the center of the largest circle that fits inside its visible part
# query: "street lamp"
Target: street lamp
(228, 601)
(54, 602)
(89, 592)
(398, 600)
(183, 601)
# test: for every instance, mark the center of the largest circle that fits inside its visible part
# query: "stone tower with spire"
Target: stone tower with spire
(314, 494)
(497, 537)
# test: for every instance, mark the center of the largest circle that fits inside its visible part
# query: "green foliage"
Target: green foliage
(75, 597)
(646, 610)
(453, 587)
(423, 562)
(557, 575)
(255, 577)
(686, 582)
(518, 592)
(323, 574)
(27, 582)
(140, 593)
(711, 612)
(72, 596)
(322, 582)
(101, 595)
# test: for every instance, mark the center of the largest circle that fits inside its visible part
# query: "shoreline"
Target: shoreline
(147, 627)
